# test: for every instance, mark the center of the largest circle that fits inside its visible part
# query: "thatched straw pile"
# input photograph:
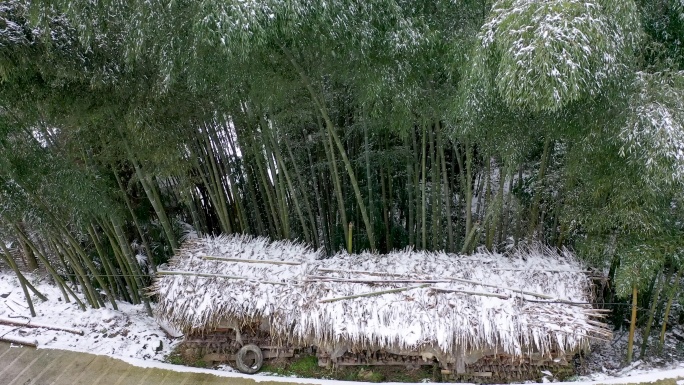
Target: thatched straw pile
(532, 301)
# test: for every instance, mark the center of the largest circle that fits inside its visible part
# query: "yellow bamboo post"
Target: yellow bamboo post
(668, 306)
(349, 239)
(632, 324)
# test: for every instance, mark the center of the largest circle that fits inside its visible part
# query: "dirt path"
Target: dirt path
(28, 366)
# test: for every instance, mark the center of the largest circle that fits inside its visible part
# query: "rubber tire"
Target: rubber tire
(240, 359)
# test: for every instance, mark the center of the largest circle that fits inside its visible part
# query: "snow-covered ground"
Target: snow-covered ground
(129, 334)
(124, 333)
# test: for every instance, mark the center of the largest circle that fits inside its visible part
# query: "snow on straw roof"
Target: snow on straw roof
(534, 300)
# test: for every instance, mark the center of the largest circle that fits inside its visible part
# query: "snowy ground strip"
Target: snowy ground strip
(129, 334)
(125, 333)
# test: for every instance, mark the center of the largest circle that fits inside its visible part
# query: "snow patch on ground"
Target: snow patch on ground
(124, 333)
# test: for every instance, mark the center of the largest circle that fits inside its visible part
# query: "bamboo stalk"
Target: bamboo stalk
(288, 180)
(22, 281)
(447, 193)
(150, 192)
(651, 313)
(488, 204)
(672, 292)
(280, 194)
(435, 239)
(60, 282)
(336, 139)
(478, 293)
(302, 188)
(539, 187)
(349, 239)
(210, 275)
(385, 210)
(632, 324)
(437, 280)
(81, 276)
(504, 288)
(319, 204)
(265, 261)
(371, 281)
(544, 270)
(109, 270)
(330, 155)
(263, 180)
(357, 272)
(423, 219)
(134, 266)
(143, 238)
(395, 281)
(372, 294)
(127, 273)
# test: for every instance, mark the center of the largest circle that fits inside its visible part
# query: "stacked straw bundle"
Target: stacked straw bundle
(535, 300)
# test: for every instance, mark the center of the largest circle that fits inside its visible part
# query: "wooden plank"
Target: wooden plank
(20, 341)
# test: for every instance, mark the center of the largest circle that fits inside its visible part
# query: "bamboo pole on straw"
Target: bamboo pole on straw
(479, 293)
(379, 273)
(538, 295)
(437, 280)
(374, 281)
(209, 275)
(372, 294)
(265, 261)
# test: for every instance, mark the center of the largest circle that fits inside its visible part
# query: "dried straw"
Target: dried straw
(450, 315)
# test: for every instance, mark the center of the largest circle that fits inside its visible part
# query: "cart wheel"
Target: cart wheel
(249, 359)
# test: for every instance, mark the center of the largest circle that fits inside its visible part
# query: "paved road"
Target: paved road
(29, 366)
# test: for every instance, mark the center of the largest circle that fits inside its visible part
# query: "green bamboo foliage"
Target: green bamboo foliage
(362, 125)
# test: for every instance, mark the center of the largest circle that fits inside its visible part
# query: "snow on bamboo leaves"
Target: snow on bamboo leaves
(543, 55)
(653, 133)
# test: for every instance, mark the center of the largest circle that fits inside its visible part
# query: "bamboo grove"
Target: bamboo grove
(359, 125)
